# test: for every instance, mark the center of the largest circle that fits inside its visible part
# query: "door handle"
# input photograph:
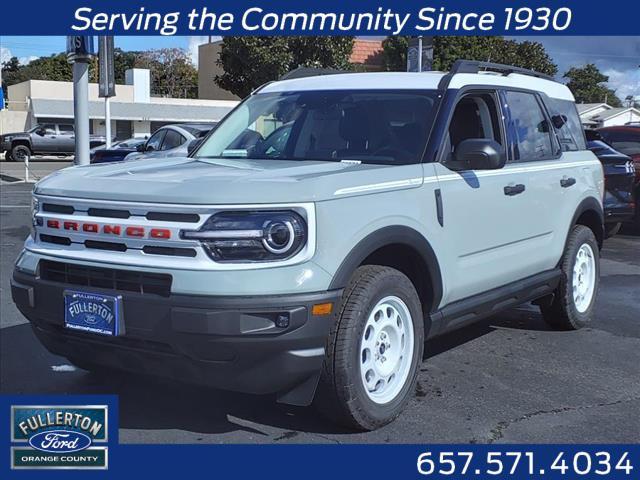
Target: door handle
(512, 190)
(567, 182)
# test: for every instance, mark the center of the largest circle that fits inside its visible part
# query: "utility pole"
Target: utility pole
(79, 52)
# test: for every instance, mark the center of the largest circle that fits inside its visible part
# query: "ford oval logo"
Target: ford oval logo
(60, 441)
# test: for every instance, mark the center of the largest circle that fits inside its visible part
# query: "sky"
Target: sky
(617, 57)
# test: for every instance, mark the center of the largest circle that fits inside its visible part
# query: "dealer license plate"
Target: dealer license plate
(91, 312)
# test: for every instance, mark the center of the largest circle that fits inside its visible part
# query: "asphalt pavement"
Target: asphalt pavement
(507, 379)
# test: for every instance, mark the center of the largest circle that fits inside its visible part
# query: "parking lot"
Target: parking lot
(507, 379)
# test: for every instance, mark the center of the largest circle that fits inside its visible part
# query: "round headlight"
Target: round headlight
(278, 236)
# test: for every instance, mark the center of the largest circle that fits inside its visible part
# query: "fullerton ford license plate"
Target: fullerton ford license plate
(91, 312)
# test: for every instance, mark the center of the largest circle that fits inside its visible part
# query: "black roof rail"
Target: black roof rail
(475, 66)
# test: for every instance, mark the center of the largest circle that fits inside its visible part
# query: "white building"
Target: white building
(134, 112)
(596, 115)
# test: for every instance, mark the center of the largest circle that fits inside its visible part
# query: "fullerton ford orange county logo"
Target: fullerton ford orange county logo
(51, 437)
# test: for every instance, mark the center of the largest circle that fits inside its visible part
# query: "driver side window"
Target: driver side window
(475, 116)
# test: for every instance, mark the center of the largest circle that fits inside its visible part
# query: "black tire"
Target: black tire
(612, 229)
(341, 395)
(8, 157)
(562, 313)
(20, 153)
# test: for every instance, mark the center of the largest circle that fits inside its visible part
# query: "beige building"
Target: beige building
(208, 69)
(134, 112)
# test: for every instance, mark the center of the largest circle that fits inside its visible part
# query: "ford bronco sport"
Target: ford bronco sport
(328, 226)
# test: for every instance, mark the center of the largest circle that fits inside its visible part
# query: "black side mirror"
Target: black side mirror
(40, 131)
(140, 148)
(478, 154)
(193, 144)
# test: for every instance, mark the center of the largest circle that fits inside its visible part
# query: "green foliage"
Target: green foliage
(172, 73)
(446, 50)
(586, 85)
(249, 62)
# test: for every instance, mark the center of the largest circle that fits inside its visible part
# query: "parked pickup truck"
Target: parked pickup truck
(327, 227)
(43, 139)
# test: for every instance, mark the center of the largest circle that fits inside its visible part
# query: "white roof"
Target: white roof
(585, 107)
(416, 81)
(613, 112)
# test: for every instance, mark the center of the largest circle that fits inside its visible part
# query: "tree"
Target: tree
(446, 50)
(172, 73)
(586, 85)
(249, 62)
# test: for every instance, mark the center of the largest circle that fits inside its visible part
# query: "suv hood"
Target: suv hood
(226, 181)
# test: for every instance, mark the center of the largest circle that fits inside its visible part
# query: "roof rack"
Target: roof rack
(474, 66)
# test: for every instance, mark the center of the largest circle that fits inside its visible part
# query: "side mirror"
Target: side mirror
(193, 144)
(148, 148)
(140, 148)
(40, 131)
(478, 154)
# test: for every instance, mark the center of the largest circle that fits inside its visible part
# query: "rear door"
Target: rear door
(66, 139)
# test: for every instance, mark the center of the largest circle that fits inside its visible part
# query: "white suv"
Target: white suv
(327, 226)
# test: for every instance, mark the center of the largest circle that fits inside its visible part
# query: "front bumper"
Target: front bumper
(231, 343)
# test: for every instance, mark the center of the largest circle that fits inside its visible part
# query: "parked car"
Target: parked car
(619, 180)
(117, 152)
(626, 139)
(44, 139)
(171, 141)
(392, 207)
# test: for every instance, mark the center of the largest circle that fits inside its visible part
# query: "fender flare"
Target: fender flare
(589, 203)
(397, 234)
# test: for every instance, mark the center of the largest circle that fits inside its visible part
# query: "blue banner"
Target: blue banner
(46, 431)
(321, 17)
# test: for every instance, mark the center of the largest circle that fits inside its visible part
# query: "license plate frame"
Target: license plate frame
(94, 313)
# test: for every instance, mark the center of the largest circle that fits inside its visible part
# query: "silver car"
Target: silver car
(171, 141)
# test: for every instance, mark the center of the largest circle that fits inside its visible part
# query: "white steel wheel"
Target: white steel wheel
(584, 278)
(386, 350)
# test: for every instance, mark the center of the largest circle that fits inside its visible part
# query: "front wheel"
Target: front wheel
(574, 299)
(373, 350)
(21, 153)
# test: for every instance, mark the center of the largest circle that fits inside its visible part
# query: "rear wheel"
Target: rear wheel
(373, 350)
(574, 299)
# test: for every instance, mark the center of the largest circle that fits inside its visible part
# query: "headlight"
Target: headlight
(251, 236)
(35, 220)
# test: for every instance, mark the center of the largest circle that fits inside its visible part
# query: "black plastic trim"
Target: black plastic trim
(388, 236)
(472, 309)
(587, 204)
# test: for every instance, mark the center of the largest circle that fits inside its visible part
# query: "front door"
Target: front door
(487, 214)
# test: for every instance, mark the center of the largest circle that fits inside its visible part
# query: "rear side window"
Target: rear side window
(529, 128)
(65, 129)
(566, 121)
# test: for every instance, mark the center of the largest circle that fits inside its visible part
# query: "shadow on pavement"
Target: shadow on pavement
(149, 403)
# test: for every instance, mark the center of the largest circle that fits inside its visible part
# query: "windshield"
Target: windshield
(388, 127)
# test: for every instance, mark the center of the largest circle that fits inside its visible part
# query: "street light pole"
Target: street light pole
(81, 111)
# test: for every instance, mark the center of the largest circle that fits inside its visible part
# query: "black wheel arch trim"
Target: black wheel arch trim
(589, 203)
(386, 236)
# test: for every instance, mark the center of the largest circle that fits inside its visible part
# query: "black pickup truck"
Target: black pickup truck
(44, 139)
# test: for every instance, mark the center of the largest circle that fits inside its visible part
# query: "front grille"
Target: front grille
(174, 217)
(54, 208)
(108, 278)
(108, 212)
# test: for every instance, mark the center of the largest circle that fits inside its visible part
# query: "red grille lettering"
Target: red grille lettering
(71, 226)
(90, 227)
(53, 224)
(134, 232)
(112, 229)
(163, 233)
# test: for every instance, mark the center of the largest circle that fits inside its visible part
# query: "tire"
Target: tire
(612, 229)
(569, 310)
(20, 153)
(8, 157)
(342, 395)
